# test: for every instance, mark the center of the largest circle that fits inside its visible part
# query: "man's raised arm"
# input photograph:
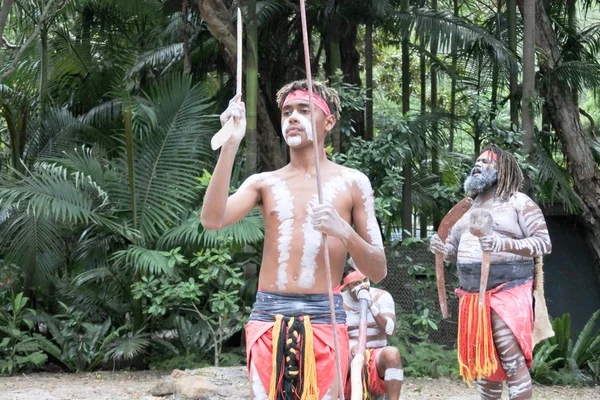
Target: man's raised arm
(218, 208)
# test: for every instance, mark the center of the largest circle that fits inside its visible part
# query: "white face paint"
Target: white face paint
(294, 139)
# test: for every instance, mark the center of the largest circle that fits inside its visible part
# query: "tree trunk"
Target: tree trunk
(187, 63)
(251, 137)
(511, 8)
(496, 69)
(369, 80)
(435, 162)
(564, 114)
(350, 58)
(219, 22)
(529, 21)
(453, 86)
(43, 84)
(6, 5)
(407, 168)
(333, 65)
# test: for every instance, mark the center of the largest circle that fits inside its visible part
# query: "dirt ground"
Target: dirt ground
(136, 386)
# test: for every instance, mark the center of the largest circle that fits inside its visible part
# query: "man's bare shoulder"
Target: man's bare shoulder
(255, 179)
(520, 201)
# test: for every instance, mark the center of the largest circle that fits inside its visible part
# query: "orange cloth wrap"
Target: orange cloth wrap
(259, 349)
(477, 355)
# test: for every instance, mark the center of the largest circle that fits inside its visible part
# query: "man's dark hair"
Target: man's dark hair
(328, 94)
(510, 176)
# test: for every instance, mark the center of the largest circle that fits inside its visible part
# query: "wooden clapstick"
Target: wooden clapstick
(356, 367)
(481, 225)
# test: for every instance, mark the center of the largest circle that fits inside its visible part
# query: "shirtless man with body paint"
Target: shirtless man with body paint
(291, 314)
(519, 234)
(383, 367)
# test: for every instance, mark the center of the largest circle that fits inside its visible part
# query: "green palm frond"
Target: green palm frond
(554, 182)
(587, 345)
(248, 230)
(447, 30)
(48, 192)
(60, 132)
(35, 243)
(575, 75)
(128, 348)
(170, 157)
(159, 57)
(104, 114)
(144, 261)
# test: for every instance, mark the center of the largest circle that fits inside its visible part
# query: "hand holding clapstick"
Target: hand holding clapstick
(230, 126)
(481, 225)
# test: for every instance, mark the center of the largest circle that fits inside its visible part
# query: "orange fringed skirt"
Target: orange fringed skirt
(477, 356)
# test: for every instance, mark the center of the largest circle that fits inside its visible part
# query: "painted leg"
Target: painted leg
(512, 359)
(489, 390)
(257, 390)
(389, 366)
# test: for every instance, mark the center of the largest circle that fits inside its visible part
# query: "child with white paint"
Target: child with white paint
(383, 367)
(501, 350)
(289, 336)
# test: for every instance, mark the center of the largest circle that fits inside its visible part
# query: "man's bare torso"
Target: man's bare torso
(517, 218)
(293, 257)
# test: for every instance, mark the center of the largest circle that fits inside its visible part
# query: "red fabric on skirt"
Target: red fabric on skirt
(515, 307)
(376, 384)
(259, 348)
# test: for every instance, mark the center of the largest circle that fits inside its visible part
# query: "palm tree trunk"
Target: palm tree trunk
(219, 22)
(43, 72)
(564, 114)
(453, 86)
(6, 5)
(511, 8)
(496, 69)
(407, 168)
(187, 62)
(350, 60)
(251, 87)
(435, 162)
(334, 64)
(529, 27)
(369, 80)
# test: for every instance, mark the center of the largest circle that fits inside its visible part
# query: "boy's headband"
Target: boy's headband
(352, 277)
(303, 95)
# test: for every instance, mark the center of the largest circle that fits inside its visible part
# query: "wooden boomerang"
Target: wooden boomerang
(447, 223)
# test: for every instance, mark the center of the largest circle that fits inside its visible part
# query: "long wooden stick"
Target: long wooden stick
(320, 196)
(358, 361)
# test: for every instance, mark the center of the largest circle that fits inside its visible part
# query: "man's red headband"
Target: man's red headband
(303, 95)
(352, 277)
(489, 154)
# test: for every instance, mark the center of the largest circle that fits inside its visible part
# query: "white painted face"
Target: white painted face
(292, 134)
